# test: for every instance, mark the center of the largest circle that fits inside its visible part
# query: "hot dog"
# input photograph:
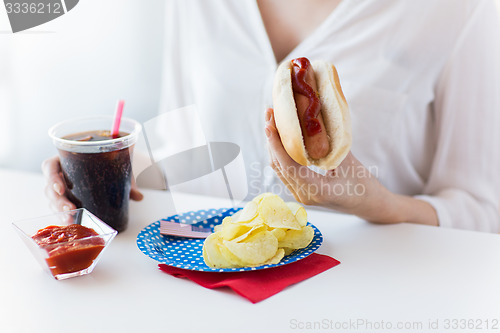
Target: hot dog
(311, 113)
(305, 93)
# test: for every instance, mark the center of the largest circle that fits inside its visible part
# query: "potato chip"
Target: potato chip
(236, 216)
(276, 259)
(276, 213)
(211, 252)
(204, 251)
(231, 230)
(253, 230)
(262, 233)
(297, 239)
(279, 233)
(299, 212)
(226, 220)
(248, 213)
(216, 254)
(259, 198)
(253, 223)
(256, 249)
(288, 250)
(230, 258)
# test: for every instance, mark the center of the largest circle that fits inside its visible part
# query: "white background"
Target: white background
(77, 64)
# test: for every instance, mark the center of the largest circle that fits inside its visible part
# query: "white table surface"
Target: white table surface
(390, 276)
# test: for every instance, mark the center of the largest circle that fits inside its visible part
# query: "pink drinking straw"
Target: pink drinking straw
(115, 132)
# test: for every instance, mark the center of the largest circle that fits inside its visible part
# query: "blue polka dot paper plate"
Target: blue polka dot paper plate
(186, 253)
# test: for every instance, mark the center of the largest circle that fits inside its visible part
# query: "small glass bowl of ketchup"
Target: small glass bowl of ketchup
(66, 244)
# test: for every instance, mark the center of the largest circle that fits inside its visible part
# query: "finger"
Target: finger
(289, 186)
(274, 141)
(268, 116)
(51, 169)
(58, 202)
(290, 181)
(293, 187)
(282, 173)
(295, 183)
(268, 113)
(56, 187)
(285, 167)
(136, 195)
(291, 173)
(287, 174)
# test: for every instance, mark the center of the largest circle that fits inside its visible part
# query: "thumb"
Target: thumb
(135, 194)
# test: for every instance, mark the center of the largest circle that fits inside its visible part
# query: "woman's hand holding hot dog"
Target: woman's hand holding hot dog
(301, 133)
(357, 193)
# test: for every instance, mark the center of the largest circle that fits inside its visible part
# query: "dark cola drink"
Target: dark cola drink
(99, 182)
(97, 167)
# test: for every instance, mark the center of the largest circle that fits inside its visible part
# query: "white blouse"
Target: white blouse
(422, 79)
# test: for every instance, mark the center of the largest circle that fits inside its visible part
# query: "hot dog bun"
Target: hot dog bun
(334, 110)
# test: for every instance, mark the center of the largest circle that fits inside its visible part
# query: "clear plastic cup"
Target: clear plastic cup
(98, 174)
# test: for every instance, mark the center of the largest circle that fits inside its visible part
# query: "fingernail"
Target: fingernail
(57, 188)
(268, 115)
(268, 132)
(65, 208)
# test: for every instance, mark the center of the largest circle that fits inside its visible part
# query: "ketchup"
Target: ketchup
(300, 86)
(67, 247)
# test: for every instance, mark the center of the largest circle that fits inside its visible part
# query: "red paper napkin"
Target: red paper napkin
(258, 285)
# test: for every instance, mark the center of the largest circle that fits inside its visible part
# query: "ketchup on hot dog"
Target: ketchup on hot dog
(309, 108)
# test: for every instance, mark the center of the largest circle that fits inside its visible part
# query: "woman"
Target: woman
(421, 78)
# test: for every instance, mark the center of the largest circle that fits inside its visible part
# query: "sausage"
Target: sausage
(309, 108)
